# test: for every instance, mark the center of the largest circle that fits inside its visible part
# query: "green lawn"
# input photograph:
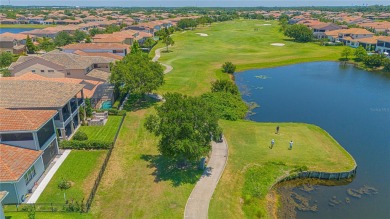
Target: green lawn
(197, 60)
(104, 133)
(38, 26)
(81, 168)
(251, 158)
(45, 215)
(138, 182)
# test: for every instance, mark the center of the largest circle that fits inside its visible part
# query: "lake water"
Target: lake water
(14, 30)
(352, 105)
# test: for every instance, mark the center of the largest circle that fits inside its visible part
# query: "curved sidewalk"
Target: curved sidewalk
(198, 203)
(168, 68)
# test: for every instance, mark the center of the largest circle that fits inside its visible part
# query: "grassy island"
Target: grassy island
(253, 167)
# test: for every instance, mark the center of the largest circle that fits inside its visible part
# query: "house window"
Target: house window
(33, 71)
(68, 73)
(42, 70)
(50, 70)
(29, 175)
(118, 51)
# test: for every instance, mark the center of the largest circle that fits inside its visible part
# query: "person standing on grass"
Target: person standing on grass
(277, 129)
(291, 144)
(272, 143)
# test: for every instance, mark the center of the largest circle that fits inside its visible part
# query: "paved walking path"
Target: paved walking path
(168, 68)
(42, 185)
(198, 203)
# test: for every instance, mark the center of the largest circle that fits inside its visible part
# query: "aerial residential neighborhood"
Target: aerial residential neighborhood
(234, 111)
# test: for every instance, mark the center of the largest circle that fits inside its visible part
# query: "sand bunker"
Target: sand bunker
(277, 44)
(263, 25)
(202, 34)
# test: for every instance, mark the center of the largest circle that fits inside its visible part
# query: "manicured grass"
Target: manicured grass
(81, 168)
(25, 26)
(51, 215)
(197, 60)
(138, 182)
(104, 133)
(250, 157)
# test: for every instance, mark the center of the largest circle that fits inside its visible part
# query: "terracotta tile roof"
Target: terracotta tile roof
(86, 46)
(16, 36)
(24, 120)
(112, 39)
(66, 60)
(368, 40)
(96, 73)
(384, 38)
(36, 93)
(87, 90)
(355, 31)
(15, 161)
(102, 54)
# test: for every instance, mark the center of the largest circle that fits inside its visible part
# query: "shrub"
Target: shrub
(386, 65)
(374, 61)
(80, 136)
(228, 67)
(113, 112)
(87, 144)
(226, 105)
(224, 86)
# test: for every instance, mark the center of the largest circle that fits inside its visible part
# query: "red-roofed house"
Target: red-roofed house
(115, 48)
(20, 168)
(28, 143)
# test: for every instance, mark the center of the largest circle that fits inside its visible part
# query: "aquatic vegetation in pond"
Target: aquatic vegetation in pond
(365, 190)
(263, 77)
(334, 201)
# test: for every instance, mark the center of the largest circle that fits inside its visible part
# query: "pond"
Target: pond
(14, 30)
(353, 106)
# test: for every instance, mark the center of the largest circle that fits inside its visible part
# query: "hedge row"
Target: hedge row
(113, 112)
(88, 144)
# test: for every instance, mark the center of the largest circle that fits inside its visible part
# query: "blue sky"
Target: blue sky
(199, 3)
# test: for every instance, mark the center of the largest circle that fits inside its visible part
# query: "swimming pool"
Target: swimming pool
(106, 105)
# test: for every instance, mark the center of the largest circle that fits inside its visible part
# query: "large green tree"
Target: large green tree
(227, 105)
(135, 48)
(299, 32)
(347, 51)
(5, 59)
(46, 44)
(30, 45)
(79, 35)
(167, 40)
(228, 67)
(149, 43)
(63, 38)
(224, 86)
(186, 126)
(137, 73)
(360, 53)
(374, 61)
(386, 65)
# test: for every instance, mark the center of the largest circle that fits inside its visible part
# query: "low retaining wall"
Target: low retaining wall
(320, 175)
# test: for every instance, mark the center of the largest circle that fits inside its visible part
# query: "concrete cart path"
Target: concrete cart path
(198, 203)
(168, 68)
